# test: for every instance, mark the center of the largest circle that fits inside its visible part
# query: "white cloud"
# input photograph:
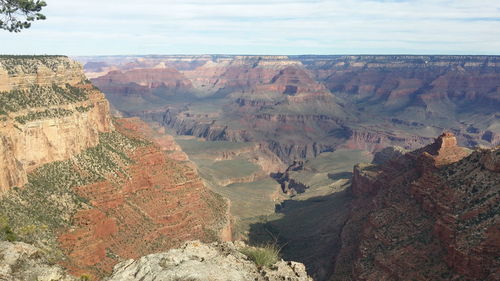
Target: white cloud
(273, 26)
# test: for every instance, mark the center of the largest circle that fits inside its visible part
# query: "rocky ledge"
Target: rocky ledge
(196, 261)
(20, 261)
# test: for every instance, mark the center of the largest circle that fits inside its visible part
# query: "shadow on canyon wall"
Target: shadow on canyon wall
(308, 231)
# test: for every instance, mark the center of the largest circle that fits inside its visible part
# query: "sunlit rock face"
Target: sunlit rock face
(200, 262)
(89, 189)
(49, 112)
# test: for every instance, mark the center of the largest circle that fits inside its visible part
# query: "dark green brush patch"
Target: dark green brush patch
(266, 255)
(30, 64)
(40, 96)
(83, 109)
(49, 113)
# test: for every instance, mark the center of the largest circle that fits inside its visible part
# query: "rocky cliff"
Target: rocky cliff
(89, 191)
(48, 112)
(194, 260)
(431, 214)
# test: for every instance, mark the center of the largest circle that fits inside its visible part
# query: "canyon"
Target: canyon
(428, 214)
(332, 159)
(301, 106)
(312, 112)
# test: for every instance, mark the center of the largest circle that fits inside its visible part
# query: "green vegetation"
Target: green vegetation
(218, 172)
(48, 201)
(266, 255)
(85, 277)
(49, 113)
(196, 147)
(6, 232)
(83, 109)
(30, 64)
(251, 199)
(40, 96)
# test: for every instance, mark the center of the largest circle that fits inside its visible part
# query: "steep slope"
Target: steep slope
(92, 192)
(431, 214)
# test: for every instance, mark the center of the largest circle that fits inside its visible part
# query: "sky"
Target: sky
(288, 27)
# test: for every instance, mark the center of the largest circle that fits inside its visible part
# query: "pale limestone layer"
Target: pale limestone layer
(201, 262)
(24, 147)
(58, 70)
(21, 262)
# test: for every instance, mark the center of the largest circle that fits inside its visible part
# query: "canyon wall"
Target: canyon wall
(431, 214)
(48, 112)
(87, 189)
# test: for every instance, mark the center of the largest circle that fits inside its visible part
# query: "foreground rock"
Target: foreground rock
(20, 261)
(198, 261)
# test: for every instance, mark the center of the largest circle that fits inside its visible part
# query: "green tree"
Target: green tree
(16, 15)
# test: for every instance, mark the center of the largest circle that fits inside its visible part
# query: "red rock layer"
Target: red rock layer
(160, 203)
(432, 214)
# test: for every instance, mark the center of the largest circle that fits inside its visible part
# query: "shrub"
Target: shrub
(85, 277)
(8, 234)
(265, 255)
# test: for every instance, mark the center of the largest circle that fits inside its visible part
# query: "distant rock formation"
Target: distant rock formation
(387, 154)
(301, 106)
(197, 261)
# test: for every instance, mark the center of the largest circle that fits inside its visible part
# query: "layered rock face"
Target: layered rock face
(48, 112)
(431, 214)
(22, 72)
(87, 191)
(158, 204)
(199, 261)
(300, 106)
(402, 81)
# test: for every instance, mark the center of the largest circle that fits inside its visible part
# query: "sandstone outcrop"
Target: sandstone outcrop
(48, 112)
(199, 261)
